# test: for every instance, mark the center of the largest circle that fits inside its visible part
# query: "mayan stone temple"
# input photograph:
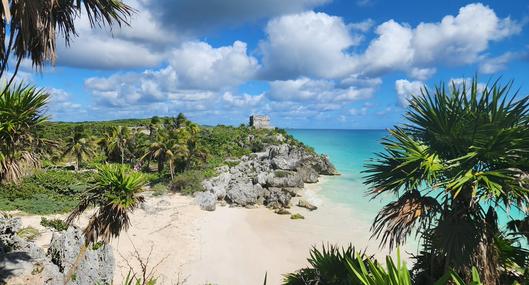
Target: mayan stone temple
(260, 122)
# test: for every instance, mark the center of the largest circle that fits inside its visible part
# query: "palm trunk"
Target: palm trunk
(484, 254)
(78, 162)
(76, 264)
(160, 165)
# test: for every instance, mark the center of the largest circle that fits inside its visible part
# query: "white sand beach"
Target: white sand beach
(229, 246)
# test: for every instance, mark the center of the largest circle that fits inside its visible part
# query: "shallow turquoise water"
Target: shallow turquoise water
(349, 150)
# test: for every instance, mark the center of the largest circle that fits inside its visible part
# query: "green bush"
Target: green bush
(159, 189)
(188, 182)
(56, 224)
(46, 192)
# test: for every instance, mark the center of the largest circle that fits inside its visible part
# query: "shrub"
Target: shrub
(56, 224)
(188, 182)
(159, 189)
(47, 192)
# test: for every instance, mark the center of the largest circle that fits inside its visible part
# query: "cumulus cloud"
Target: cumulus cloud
(406, 90)
(321, 91)
(60, 103)
(196, 70)
(457, 40)
(307, 44)
(490, 65)
(143, 43)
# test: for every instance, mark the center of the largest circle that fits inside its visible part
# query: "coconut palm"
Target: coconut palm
(79, 145)
(30, 28)
(115, 193)
(21, 116)
(117, 141)
(167, 149)
(459, 159)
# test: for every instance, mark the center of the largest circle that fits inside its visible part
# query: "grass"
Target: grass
(28, 233)
(56, 224)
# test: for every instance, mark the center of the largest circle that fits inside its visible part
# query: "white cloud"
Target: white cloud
(143, 43)
(322, 91)
(198, 65)
(490, 65)
(195, 69)
(242, 101)
(422, 73)
(363, 26)
(456, 40)
(406, 90)
(60, 103)
(307, 44)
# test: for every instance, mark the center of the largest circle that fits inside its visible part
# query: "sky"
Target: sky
(305, 63)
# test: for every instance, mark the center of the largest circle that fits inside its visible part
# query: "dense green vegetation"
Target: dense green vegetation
(173, 154)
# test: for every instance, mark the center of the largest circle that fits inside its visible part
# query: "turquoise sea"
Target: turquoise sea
(349, 150)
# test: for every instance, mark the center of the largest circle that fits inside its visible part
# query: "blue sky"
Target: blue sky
(306, 63)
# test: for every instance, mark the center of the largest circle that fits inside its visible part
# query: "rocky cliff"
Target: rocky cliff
(270, 178)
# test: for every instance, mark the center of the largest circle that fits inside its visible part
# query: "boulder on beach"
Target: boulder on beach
(305, 204)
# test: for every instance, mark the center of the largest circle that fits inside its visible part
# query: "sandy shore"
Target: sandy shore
(229, 246)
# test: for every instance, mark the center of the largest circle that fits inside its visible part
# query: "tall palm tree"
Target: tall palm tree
(21, 116)
(78, 145)
(117, 141)
(458, 160)
(166, 149)
(30, 28)
(115, 193)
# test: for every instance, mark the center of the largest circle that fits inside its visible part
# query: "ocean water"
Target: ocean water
(349, 150)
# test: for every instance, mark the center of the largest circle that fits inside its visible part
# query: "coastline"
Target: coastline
(231, 245)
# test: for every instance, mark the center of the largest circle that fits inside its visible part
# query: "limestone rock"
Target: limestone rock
(304, 204)
(277, 198)
(97, 266)
(244, 194)
(282, 211)
(308, 174)
(206, 200)
(282, 178)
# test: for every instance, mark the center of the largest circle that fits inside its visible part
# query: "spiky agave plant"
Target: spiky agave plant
(21, 116)
(328, 265)
(459, 158)
(115, 193)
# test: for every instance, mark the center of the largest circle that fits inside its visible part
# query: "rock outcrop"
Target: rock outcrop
(97, 266)
(23, 262)
(271, 178)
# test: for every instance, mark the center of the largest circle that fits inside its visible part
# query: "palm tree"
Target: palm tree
(118, 140)
(458, 160)
(30, 28)
(21, 116)
(115, 193)
(78, 145)
(166, 149)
